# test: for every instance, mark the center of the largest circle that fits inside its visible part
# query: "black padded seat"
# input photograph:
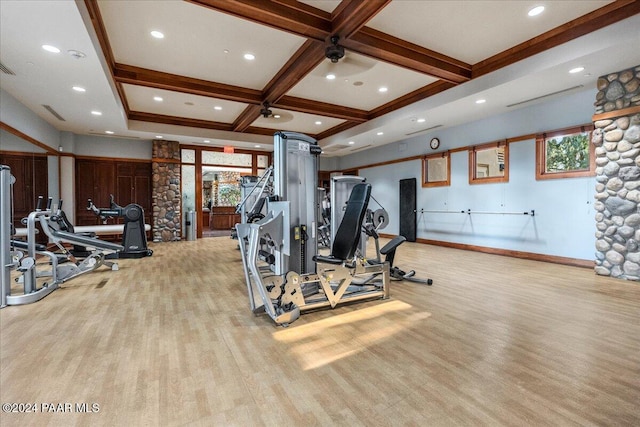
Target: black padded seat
(348, 233)
(392, 245)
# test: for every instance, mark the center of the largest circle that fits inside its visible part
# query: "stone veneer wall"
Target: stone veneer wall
(616, 136)
(166, 197)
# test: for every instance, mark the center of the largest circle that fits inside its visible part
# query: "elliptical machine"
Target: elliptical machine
(134, 237)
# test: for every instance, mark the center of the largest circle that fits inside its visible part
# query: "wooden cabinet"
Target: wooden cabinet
(31, 174)
(97, 179)
(206, 215)
(223, 218)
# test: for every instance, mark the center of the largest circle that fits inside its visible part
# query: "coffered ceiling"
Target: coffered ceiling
(408, 66)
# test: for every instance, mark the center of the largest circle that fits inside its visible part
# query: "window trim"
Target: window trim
(425, 160)
(541, 153)
(472, 163)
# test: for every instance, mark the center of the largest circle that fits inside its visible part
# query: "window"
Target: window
(436, 171)
(489, 163)
(565, 153)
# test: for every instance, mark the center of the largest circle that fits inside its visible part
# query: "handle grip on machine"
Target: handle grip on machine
(115, 211)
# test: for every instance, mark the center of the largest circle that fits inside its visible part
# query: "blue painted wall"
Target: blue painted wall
(563, 224)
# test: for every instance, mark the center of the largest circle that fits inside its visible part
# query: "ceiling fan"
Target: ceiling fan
(277, 115)
(341, 63)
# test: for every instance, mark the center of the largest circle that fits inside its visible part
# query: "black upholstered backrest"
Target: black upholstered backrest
(349, 230)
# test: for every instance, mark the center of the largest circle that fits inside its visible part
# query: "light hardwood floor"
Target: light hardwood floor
(170, 340)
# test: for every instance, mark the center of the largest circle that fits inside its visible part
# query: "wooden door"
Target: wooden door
(32, 180)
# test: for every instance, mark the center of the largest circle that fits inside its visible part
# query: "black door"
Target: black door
(408, 217)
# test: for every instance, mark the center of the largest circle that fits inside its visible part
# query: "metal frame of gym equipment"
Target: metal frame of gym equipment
(13, 259)
(250, 208)
(279, 252)
(59, 272)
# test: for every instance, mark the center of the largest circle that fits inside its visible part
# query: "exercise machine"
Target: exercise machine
(134, 236)
(376, 221)
(61, 267)
(285, 275)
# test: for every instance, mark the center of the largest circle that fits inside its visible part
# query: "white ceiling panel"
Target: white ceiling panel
(195, 41)
(472, 31)
(180, 104)
(357, 83)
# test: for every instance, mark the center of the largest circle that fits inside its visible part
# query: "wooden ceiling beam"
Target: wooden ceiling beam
(303, 105)
(306, 58)
(264, 131)
(351, 15)
(310, 54)
(348, 22)
(156, 79)
(101, 31)
(411, 97)
(293, 17)
(599, 18)
(384, 47)
(248, 116)
(336, 129)
(178, 121)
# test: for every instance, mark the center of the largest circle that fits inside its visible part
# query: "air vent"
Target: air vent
(334, 148)
(53, 112)
(6, 70)
(360, 148)
(537, 98)
(423, 130)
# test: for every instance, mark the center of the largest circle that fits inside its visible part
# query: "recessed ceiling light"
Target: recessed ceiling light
(481, 101)
(225, 51)
(110, 132)
(206, 140)
(382, 89)
(318, 122)
(257, 146)
(358, 83)
(189, 103)
(79, 89)
(351, 142)
(249, 56)
(276, 116)
(380, 133)
(330, 76)
(157, 98)
(96, 113)
(576, 70)
(217, 108)
(421, 120)
(536, 11)
(50, 48)
(157, 34)
(159, 136)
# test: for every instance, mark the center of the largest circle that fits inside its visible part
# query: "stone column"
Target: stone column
(617, 140)
(166, 193)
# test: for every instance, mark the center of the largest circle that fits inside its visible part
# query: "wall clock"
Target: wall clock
(434, 143)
